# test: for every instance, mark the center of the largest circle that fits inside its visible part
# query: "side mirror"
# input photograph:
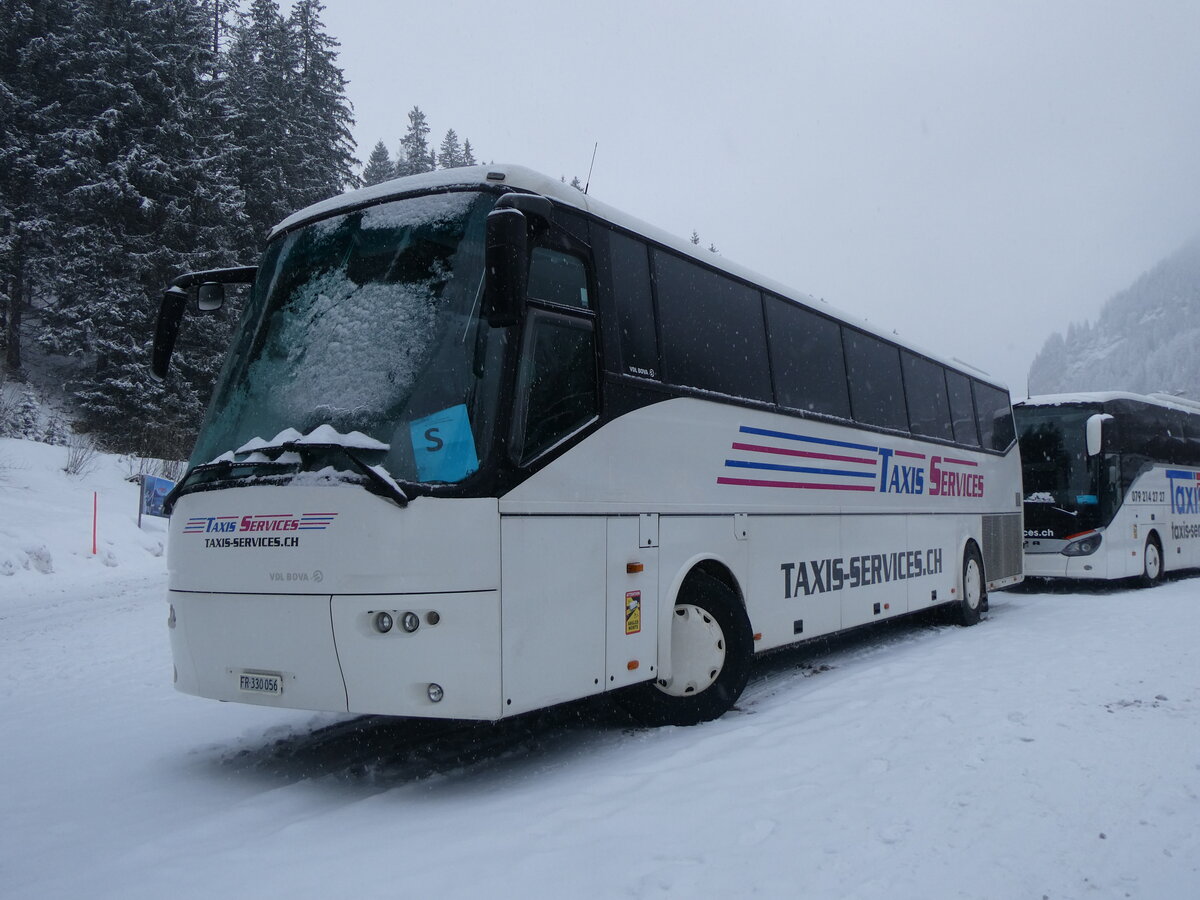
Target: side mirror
(210, 293)
(210, 296)
(1095, 433)
(506, 260)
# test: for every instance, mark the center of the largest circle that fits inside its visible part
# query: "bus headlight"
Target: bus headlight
(1083, 545)
(410, 621)
(383, 622)
(435, 693)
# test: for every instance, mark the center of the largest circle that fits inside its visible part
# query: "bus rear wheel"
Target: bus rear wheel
(974, 595)
(711, 652)
(1152, 562)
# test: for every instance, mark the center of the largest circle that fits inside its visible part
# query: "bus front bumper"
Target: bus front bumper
(1058, 565)
(439, 656)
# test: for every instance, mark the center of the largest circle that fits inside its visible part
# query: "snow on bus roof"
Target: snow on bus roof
(525, 179)
(1093, 397)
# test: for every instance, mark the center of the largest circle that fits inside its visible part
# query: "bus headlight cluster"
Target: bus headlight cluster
(1085, 545)
(385, 621)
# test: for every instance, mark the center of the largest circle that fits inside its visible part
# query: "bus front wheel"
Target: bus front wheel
(974, 595)
(711, 651)
(1152, 562)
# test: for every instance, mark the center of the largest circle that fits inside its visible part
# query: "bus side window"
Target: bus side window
(558, 278)
(962, 409)
(713, 334)
(629, 267)
(806, 357)
(925, 390)
(876, 395)
(994, 412)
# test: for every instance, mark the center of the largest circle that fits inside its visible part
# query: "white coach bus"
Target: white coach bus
(1112, 485)
(482, 445)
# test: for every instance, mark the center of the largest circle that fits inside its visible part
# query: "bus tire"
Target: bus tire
(974, 595)
(1152, 562)
(711, 652)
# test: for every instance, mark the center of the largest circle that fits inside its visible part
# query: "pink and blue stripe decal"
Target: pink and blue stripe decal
(855, 469)
(316, 521)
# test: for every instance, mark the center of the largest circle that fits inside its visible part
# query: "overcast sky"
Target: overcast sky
(972, 175)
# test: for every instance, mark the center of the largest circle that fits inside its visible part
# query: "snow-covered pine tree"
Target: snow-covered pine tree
(38, 48)
(26, 421)
(145, 190)
(415, 155)
(323, 115)
(468, 155)
(450, 153)
(259, 93)
(379, 167)
(218, 14)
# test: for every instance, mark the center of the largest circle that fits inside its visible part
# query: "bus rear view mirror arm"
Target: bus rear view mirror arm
(210, 286)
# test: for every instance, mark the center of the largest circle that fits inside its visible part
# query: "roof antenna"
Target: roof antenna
(590, 166)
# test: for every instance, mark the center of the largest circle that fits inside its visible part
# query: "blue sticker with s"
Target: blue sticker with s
(444, 446)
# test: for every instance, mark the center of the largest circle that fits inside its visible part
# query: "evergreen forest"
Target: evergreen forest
(141, 139)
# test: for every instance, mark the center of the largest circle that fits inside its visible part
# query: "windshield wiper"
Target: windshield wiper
(386, 485)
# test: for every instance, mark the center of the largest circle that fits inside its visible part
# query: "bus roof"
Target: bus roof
(525, 179)
(1082, 398)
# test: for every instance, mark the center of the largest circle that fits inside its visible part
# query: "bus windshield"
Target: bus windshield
(368, 322)
(1061, 481)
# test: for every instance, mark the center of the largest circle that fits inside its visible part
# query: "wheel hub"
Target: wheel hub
(697, 651)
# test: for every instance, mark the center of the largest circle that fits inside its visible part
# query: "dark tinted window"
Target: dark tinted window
(962, 408)
(557, 388)
(994, 413)
(712, 330)
(806, 357)
(629, 263)
(928, 402)
(558, 278)
(873, 366)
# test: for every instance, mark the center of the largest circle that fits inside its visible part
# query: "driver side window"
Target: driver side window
(556, 387)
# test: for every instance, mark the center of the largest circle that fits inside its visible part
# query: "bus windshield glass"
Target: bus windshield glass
(1060, 479)
(368, 322)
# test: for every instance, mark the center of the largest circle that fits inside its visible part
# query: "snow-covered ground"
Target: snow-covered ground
(1052, 751)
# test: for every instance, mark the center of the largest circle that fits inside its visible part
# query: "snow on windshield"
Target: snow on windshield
(322, 434)
(347, 346)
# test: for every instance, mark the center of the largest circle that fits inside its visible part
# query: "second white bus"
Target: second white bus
(1112, 485)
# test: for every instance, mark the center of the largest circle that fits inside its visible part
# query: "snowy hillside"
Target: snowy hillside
(1053, 751)
(1143, 341)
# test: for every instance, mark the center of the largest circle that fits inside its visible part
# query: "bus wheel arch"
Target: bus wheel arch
(711, 650)
(1153, 562)
(972, 600)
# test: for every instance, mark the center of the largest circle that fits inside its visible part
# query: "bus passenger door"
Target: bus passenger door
(631, 609)
(552, 619)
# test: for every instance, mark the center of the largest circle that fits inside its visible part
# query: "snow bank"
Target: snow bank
(1051, 751)
(46, 518)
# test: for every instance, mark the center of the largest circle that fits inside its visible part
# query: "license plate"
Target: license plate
(258, 683)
